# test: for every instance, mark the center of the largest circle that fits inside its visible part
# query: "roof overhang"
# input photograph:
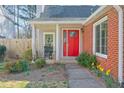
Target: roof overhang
(58, 21)
(100, 11)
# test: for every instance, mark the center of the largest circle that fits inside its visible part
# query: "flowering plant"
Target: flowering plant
(108, 72)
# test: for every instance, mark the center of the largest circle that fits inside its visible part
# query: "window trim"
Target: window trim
(94, 36)
(54, 41)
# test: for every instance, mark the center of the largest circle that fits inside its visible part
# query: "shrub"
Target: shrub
(87, 60)
(19, 66)
(83, 59)
(27, 54)
(40, 62)
(16, 67)
(25, 64)
(9, 65)
(2, 52)
(93, 62)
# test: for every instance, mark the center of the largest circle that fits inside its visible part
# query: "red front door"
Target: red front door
(70, 42)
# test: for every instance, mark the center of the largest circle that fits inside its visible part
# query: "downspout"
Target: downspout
(120, 43)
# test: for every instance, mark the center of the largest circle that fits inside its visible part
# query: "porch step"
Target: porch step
(61, 61)
(68, 61)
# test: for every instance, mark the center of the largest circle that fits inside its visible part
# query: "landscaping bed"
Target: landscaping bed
(49, 76)
(90, 62)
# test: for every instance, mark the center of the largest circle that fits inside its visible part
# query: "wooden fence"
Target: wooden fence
(16, 46)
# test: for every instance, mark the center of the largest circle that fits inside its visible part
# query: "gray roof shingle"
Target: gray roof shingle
(57, 11)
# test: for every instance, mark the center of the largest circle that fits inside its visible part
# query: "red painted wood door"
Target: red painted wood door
(71, 42)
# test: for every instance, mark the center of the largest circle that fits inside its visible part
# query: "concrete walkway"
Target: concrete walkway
(80, 77)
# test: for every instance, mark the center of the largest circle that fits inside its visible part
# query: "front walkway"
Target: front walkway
(79, 77)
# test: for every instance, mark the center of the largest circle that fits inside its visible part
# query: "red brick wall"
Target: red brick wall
(87, 38)
(112, 60)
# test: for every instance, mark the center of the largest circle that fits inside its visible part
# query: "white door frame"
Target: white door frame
(80, 40)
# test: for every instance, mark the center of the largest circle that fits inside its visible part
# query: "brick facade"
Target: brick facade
(112, 43)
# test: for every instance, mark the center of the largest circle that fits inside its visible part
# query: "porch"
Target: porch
(49, 38)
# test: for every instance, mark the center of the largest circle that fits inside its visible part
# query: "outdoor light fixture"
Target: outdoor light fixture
(82, 29)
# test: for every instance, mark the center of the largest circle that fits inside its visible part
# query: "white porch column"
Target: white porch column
(33, 42)
(38, 42)
(57, 42)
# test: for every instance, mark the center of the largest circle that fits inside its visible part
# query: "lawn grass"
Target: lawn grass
(33, 84)
(13, 84)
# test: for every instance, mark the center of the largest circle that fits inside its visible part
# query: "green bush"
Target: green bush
(25, 65)
(40, 62)
(27, 54)
(19, 66)
(16, 67)
(93, 62)
(2, 52)
(87, 60)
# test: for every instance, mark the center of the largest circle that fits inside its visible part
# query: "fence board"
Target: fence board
(16, 46)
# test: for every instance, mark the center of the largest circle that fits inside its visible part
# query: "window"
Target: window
(101, 38)
(72, 34)
(64, 37)
(48, 39)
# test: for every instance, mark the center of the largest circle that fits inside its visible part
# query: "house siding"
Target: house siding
(112, 43)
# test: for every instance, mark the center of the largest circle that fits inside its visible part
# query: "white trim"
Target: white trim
(62, 43)
(72, 28)
(95, 13)
(94, 35)
(94, 46)
(57, 42)
(80, 41)
(57, 22)
(101, 20)
(120, 43)
(67, 43)
(33, 42)
(101, 55)
(38, 41)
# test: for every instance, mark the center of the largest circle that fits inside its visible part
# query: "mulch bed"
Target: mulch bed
(53, 75)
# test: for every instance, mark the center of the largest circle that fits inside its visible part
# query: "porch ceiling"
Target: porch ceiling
(52, 27)
(46, 27)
